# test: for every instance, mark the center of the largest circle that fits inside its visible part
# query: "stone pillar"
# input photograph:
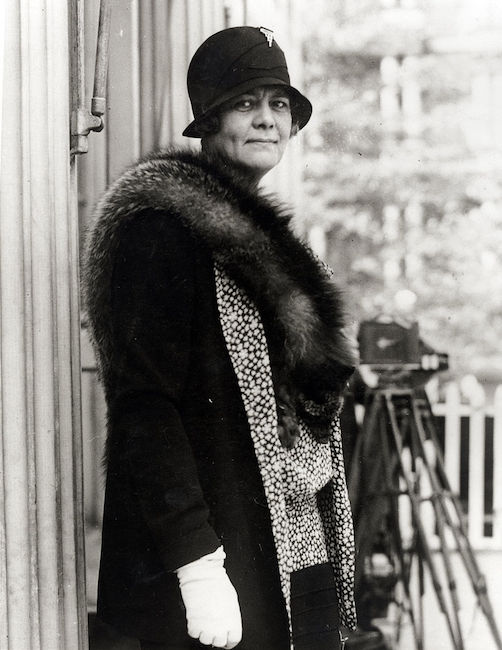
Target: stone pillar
(42, 569)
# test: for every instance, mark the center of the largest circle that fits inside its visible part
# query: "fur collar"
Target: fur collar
(249, 234)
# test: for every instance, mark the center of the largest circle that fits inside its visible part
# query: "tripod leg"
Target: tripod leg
(420, 587)
(419, 435)
(369, 504)
(369, 523)
(421, 593)
(441, 486)
(415, 565)
(361, 448)
(415, 509)
(458, 528)
(392, 487)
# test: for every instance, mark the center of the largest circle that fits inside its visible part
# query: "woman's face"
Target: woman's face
(255, 128)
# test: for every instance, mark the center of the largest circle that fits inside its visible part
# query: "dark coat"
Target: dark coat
(182, 475)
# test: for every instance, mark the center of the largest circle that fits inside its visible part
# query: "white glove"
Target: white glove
(212, 608)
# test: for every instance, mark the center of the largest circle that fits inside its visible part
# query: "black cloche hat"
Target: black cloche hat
(232, 62)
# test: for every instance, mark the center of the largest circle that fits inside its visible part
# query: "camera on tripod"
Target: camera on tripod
(398, 455)
(392, 348)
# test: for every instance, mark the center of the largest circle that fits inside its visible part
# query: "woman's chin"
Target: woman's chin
(260, 165)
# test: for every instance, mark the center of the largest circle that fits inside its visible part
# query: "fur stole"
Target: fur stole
(249, 235)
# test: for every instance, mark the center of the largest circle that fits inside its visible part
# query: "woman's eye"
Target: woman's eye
(281, 104)
(243, 104)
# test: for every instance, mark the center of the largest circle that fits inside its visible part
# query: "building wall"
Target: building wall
(42, 588)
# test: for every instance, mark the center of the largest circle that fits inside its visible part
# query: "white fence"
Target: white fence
(473, 459)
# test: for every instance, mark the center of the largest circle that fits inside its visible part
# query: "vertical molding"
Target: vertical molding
(66, 333)
(178, 62)
(17, 598)
(147, 94)
(39, 250)
(41, 555)
(236, 12)
(193, 27)
(206, 19)
(93, 167)
(162, 79)
(135, 78)
(123, 132)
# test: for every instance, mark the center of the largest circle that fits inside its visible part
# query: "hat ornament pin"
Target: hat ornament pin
(269, 35)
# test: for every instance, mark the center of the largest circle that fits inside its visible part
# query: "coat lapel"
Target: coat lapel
(247, 347)
(336, 513)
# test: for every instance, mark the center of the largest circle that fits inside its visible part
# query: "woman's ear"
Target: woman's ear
(294, 129)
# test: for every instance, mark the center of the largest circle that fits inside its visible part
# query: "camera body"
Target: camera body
(387, 346)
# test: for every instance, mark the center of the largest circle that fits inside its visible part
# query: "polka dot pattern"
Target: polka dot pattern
(307, 470)
(338, 526)
(308, 528)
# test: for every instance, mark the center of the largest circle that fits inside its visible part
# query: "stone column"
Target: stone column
(42, 576)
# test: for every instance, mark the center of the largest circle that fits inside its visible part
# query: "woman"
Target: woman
(220, 347)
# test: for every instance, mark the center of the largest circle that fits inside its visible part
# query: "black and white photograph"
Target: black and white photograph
(251, 324)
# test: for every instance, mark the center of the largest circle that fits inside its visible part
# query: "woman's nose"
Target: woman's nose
(264, 116)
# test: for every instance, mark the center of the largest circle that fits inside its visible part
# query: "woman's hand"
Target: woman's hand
(211, 603)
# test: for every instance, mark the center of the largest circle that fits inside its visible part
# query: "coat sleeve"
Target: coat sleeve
(152, 306)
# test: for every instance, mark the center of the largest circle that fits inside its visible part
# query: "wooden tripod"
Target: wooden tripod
(396, 420)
